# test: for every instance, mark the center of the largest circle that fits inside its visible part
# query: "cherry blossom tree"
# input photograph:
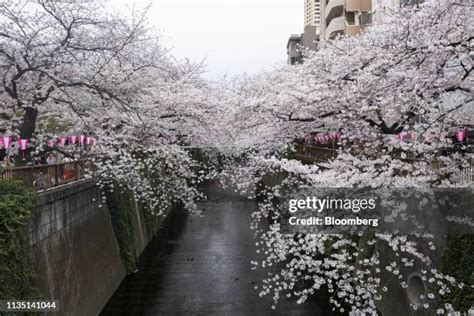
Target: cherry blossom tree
(77, 66)
(83, 69)
(411, 73)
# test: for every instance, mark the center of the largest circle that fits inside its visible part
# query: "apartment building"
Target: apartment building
(293, 49)
(329, 19)
(350, 17)
(345, 17)
(312, 14)
(312, 24)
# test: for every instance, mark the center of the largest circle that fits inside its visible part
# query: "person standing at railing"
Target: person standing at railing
(52, 161)
(7, 164)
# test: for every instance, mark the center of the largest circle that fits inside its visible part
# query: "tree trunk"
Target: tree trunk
(28, 126)
(27, 130)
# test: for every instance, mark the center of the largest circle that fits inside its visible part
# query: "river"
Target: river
(203, 268)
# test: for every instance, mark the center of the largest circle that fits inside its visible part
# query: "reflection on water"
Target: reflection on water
(203, 267)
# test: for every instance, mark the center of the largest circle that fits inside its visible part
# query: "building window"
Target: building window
(350, 18)
(365, 18)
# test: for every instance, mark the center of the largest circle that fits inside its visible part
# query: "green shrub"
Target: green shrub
(18, 278)
(458, 262)
(119, 203)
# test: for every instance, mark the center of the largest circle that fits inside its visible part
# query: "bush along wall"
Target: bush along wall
(458, 262)
(18, 277)
(151, 222)
(119, 203)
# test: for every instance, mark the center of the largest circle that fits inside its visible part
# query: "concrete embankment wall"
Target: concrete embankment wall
(75, 250)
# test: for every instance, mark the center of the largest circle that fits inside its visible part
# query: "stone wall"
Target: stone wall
(75, 250)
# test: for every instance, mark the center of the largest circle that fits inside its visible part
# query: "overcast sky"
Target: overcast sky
(234, 36)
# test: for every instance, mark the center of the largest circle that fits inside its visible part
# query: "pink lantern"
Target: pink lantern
(6, 142)
(338, 136)
(62, 141)
(88, 140)
(51, 143)
(23, 143)
(72, 140)
(81, 139)
(461, 135)
(401, 136)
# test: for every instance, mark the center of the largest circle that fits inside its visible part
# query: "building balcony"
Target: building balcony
(337, 26)
(334, 8)
(359, 5)
(341, 26)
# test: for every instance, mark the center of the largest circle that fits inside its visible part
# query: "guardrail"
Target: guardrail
(316, 153)
(42, 177)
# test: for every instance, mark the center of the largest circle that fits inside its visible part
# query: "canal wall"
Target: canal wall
(75, 250)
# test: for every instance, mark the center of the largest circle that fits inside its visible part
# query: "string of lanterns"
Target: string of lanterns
(460, 136)
(23, 144)
(323, 138)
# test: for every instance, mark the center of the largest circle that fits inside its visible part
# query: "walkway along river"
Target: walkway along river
(204, 268)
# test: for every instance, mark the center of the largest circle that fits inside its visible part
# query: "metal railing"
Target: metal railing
(316, 153)
(42, 177)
